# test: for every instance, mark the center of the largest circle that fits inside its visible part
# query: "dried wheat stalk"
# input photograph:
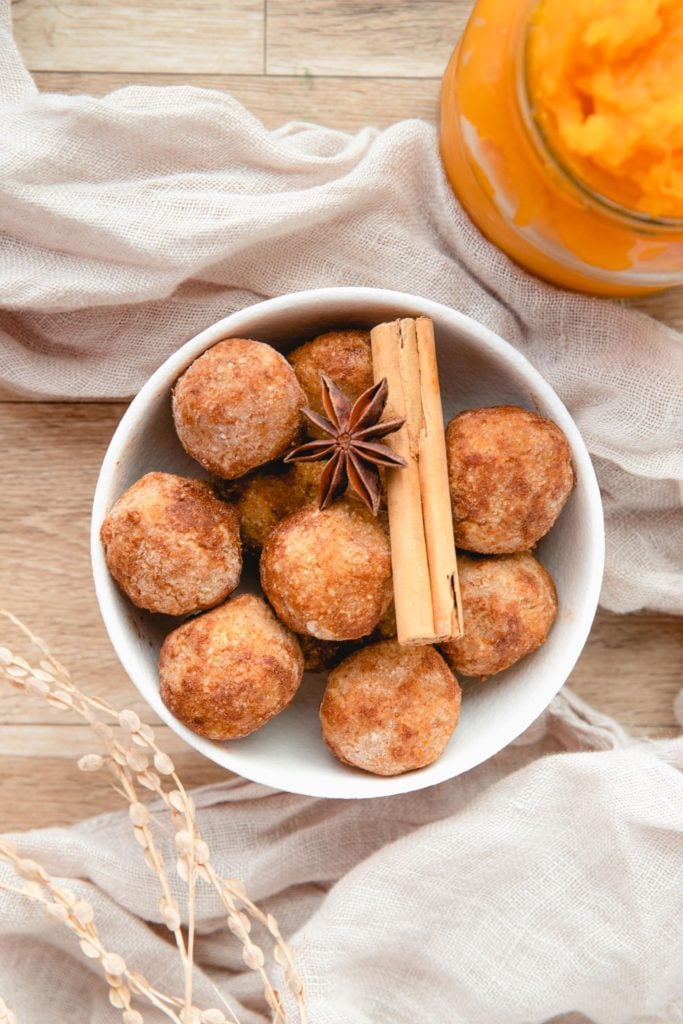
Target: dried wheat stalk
(142, 765)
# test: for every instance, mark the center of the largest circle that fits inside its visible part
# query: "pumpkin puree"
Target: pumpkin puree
(606, 78)
(602, 82)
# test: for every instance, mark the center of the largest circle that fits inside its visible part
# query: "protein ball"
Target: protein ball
(306, 479)
(228, 672)
(327, 573)
(390, 709)
(345, 356)
(237, 407)
(509, 605)
(172, 545)
(263, 499)
(510, 475)
(387, 624)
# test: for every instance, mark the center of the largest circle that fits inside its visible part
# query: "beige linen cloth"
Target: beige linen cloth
(546, 882)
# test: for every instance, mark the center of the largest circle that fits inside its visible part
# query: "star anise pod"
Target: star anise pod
(352, 445)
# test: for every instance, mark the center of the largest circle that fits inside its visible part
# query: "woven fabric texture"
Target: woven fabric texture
(546, 882)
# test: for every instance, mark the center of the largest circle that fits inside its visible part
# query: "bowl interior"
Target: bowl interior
(476, 368)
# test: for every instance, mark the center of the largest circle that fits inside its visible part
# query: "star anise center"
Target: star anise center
(352, 445)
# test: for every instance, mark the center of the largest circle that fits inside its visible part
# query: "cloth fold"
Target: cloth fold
(545, 882)
(540, 884)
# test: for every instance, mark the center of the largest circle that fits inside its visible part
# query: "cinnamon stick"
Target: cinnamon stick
(435, 491)
(426, 593)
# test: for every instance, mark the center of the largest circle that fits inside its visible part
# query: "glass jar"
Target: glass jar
(537, 206)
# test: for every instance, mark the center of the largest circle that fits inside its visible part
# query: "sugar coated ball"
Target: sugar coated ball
(264, 498)
(345, 356)
(389, 708)
(237, 407)
(172, 545)
(509, 605)
(327, 572)
(510, 474)
(228, 672)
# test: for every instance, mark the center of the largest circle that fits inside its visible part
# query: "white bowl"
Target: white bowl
(477, 368)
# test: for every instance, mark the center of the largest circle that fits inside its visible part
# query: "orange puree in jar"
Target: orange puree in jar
(606, 78)
(562, 135)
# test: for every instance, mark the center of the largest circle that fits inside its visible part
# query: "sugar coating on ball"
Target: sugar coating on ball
(509, 605)
(263, 499)
(306, 479)
(345, 356)
(237, 407)
(510, 474)
(386, 627)
(228, 672)
(389, 708)
(172, 545)
(327, 572)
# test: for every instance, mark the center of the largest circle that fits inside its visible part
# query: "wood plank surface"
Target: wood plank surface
(42, 785)
(153, 35)
(49, 461)
(344, 63)
(354, 37)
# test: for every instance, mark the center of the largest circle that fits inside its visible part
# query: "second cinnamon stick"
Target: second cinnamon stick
(435, 491)
(426, 593)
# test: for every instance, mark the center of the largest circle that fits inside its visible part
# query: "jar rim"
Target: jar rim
(539, 139)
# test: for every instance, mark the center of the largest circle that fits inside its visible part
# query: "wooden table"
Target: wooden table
(341, 62)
